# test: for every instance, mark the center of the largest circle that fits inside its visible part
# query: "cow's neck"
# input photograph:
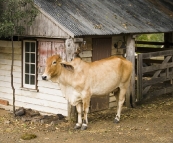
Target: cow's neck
(65, 77)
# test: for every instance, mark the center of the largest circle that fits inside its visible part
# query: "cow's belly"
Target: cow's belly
(104, 87)
(72, 95)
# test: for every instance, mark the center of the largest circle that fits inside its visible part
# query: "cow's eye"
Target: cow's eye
(54, 63)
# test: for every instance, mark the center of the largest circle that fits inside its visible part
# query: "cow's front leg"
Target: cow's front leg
(86, 102)
(79, 111)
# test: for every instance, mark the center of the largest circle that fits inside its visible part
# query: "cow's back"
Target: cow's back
(108, 74)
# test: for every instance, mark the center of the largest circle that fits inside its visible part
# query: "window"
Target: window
(29, 64)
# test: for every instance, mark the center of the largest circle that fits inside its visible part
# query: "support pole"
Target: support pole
(130, 55)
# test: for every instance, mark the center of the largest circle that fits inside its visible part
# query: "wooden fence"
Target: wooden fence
(159, 70)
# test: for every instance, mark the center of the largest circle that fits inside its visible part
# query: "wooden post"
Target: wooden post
(139, 77)
(168, 37)
(130, 55)
(72, 113)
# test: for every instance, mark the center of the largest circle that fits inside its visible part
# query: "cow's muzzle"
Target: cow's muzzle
(44, 77)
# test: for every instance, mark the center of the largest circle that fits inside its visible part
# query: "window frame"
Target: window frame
(24, 85)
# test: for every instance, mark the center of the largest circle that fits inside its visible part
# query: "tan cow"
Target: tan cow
(80, 80)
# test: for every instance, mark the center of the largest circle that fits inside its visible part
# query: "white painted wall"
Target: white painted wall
(48, 99)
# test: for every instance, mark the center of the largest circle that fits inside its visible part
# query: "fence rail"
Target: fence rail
(159, 72)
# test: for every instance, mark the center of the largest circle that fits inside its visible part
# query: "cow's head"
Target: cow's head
(53, 68)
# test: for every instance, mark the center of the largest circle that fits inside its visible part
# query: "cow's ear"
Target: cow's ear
(67, 66)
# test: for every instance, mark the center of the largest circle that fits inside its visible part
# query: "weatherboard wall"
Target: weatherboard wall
(48, 98)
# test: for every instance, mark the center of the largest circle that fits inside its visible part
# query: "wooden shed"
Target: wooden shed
(99, 28)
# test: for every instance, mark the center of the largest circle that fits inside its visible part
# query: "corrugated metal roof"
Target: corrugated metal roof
(110, 17)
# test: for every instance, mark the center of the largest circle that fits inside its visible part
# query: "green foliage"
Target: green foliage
(151, 37)
(15, 16)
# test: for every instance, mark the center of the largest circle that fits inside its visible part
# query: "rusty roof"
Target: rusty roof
(110, 17)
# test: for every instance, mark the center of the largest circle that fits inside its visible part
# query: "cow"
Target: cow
(80, 80)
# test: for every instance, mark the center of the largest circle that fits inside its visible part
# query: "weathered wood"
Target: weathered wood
(139, 77)
(8, 56)
(85, 54)
(156, 74)
(130, 55)
(7, 79)
(8, 68)
(8, 50)
(149, 49)
(156, 80)
(7, 44)
(45, 26)
(41, 108)
(158, 53)
(157, 67)
(8, 62)
(154, 43)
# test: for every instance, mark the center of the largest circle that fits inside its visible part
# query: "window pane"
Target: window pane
(27, 47)
(33, 69)
(26, 79)
(26, 57)
(26, 68)
(32, 47)
(32, 79)
(32, 58)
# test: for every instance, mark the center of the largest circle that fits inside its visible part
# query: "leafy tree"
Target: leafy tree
(151, 37)
(159, 37)
(15, 15)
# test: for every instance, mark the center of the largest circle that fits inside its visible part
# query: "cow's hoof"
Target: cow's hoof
(77, 127)
(116, 121)
(84, 127)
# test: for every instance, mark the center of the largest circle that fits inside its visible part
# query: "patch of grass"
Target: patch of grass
(27, 136)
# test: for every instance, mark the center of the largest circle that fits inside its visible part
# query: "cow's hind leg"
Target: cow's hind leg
(79, 111)
(120, 98)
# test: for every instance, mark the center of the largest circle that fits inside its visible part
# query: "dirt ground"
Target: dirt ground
(150, 122)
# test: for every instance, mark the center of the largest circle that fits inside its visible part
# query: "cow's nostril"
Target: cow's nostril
(44, 77)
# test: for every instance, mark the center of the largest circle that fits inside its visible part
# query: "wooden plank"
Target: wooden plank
(7, 73)
(112, 104)
(85, 54)
(149, 49)
(35, 94)
(32, 95)
(156, 74)
(153, 43)
(158, 53)
(112, 98)
(8, 56)
(130, 55)
(8, 62)
(50, 91)
(8, 84)
(9, 50)
(39, 95)
(5, 44)
(47, 84)
(8, 68)
(8, 79)
(157, 67)
(46, 26)
(139, 77)
(155, 80)
(40, 108)
(87, 59)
